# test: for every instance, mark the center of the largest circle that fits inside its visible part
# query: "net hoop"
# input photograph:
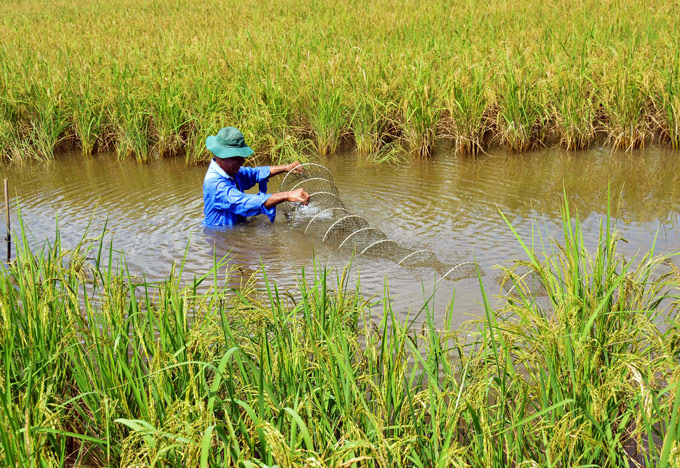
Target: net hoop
(378, 242)
(330, 174)
(414, 253)
(322, 212)
(330, 182)
(297, 204)
(457, 266)
(325, 236)
(357, 232)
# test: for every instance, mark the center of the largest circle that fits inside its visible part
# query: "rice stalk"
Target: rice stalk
(101, 368)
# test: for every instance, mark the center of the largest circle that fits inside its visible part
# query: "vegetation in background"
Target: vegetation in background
(156, 77)
(103, 369)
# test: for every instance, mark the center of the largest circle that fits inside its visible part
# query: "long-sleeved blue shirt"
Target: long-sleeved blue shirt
(225, 204)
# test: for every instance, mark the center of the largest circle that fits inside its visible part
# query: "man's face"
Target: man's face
(231, 165)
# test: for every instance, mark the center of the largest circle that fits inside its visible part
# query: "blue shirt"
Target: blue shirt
(225, 204)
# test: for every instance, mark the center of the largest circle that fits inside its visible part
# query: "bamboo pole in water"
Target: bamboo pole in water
(9, 234)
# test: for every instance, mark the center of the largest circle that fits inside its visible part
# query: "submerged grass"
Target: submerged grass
(154, 78)
(104, 369)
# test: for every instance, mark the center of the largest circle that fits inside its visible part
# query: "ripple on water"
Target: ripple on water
(448, 205)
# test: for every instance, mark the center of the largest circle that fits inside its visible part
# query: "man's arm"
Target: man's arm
(298, 195)
(285, 168)
(229, 198)
(249, 176)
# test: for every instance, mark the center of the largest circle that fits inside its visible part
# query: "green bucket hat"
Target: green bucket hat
(228, 143)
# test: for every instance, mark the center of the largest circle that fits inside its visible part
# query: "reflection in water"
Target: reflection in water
(449, 205)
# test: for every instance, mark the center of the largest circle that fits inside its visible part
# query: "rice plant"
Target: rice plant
(327, 116)
(577, 113)
(520, 119)
(101, 368)
(316, 77)
(668, 104)
(466, 111)
(626, 124)
(420, 110)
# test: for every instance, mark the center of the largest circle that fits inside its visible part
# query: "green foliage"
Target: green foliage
(104, 369)
(466, 119)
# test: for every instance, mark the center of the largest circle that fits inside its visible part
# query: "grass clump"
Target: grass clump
(104, 369)
(466, 113)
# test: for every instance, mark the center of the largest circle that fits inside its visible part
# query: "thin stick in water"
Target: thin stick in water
(9, 233)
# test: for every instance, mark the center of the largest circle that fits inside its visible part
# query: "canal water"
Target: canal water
(450, 205)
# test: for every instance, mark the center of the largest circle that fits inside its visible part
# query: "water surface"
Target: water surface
(450, 205)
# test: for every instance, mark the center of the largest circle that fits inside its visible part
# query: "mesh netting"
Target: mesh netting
(327, 218)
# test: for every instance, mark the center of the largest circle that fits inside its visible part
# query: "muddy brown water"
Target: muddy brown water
(449, 205)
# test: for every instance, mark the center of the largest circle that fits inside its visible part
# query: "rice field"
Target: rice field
(100, 368)
(152, 78)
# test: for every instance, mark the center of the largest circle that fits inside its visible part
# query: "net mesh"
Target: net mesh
(327, 218)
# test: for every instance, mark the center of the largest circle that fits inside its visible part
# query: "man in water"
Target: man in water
(224, 200)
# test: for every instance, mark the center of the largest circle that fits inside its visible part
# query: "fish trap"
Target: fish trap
(326, 218)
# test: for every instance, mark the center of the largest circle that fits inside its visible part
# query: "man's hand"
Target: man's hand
(294, 167)
(299, 195)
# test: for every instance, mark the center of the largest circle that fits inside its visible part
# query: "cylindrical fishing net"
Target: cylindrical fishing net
(327, 218)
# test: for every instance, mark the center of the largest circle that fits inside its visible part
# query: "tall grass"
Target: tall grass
(101, 368)
(148, 79)
(467, 118)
